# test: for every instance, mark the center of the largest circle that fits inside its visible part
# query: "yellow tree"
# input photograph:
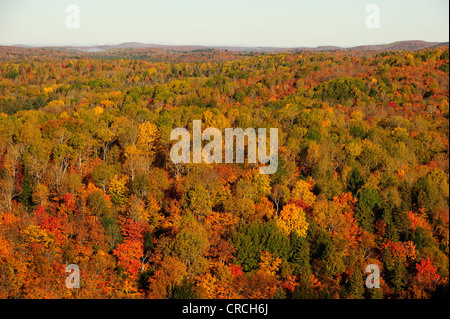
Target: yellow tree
(118, 190)
(303, 190)
(147, 137)
(269, 264)
(293, 219)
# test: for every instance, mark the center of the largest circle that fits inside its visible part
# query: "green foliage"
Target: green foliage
(185, 290)
(250, 240)
(356, 285)
(399, 276)
(189, 245)
(357, 131)
(341, 90)
(26, 195)
(13, 74)
(300, 256)
(97, 203)
(111, 230)
(304, 291)
(368, 208)
(102, 175)
(355, 181)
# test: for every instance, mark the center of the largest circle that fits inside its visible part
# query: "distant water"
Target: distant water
(90, 49)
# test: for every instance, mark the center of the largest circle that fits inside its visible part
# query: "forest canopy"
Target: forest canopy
(86, 177)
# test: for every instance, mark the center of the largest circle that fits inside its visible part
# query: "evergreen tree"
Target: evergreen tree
(365, 217)
(300, 256)
(368, 208)
(250, 240)
(399, 274)
(26, 195)
(356, 288)
(355, 181)
(406, 196)
(185, 290)
(391, 232)
(418, 239)
(280, 294)
(303, 291)
(376, 293)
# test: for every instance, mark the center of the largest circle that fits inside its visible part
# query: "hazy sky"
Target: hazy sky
(285, 23)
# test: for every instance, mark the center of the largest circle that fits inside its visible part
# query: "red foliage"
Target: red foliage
(427, 274)
(236, 270)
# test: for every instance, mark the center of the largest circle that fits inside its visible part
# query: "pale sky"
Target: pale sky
(281, 23)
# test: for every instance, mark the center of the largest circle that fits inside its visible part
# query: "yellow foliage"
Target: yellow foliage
(147, 136)
(40, 194)
(326, 123)
(48, 89)
(357, 115)
(302, 190)
(440, 178)
(354, 148)
(132, 151)
(98, 110)
(261, 182)
(56, 103)
(269, 264)
(314, 153)
(34, 233)
(107, 103)
(151, 214)
(208, 119)
(293, 219)
(207, 284)
(400, 132)
(118, 190)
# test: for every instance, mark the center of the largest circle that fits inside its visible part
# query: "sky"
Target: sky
(277, 23)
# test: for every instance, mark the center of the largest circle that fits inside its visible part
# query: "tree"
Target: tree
(190, 245)
(130, 253)
(171, 271)
(26, 195)
(185, 290)
(147, 138)
(399, 276)
(118, 190)
(355, 181)
(250, 240)
(279, 195)
(356, 288)
(368, 208)
(86, 176)
(427, 276)
(292, 219)
(300, 256)
(303, 190)
(102, 175)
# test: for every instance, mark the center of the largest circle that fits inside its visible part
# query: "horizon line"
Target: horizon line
(209, 45)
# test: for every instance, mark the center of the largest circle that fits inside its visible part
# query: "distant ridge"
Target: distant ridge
(399, 45)
(413, 45)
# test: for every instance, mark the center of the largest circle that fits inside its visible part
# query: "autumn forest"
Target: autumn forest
(86, 177)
